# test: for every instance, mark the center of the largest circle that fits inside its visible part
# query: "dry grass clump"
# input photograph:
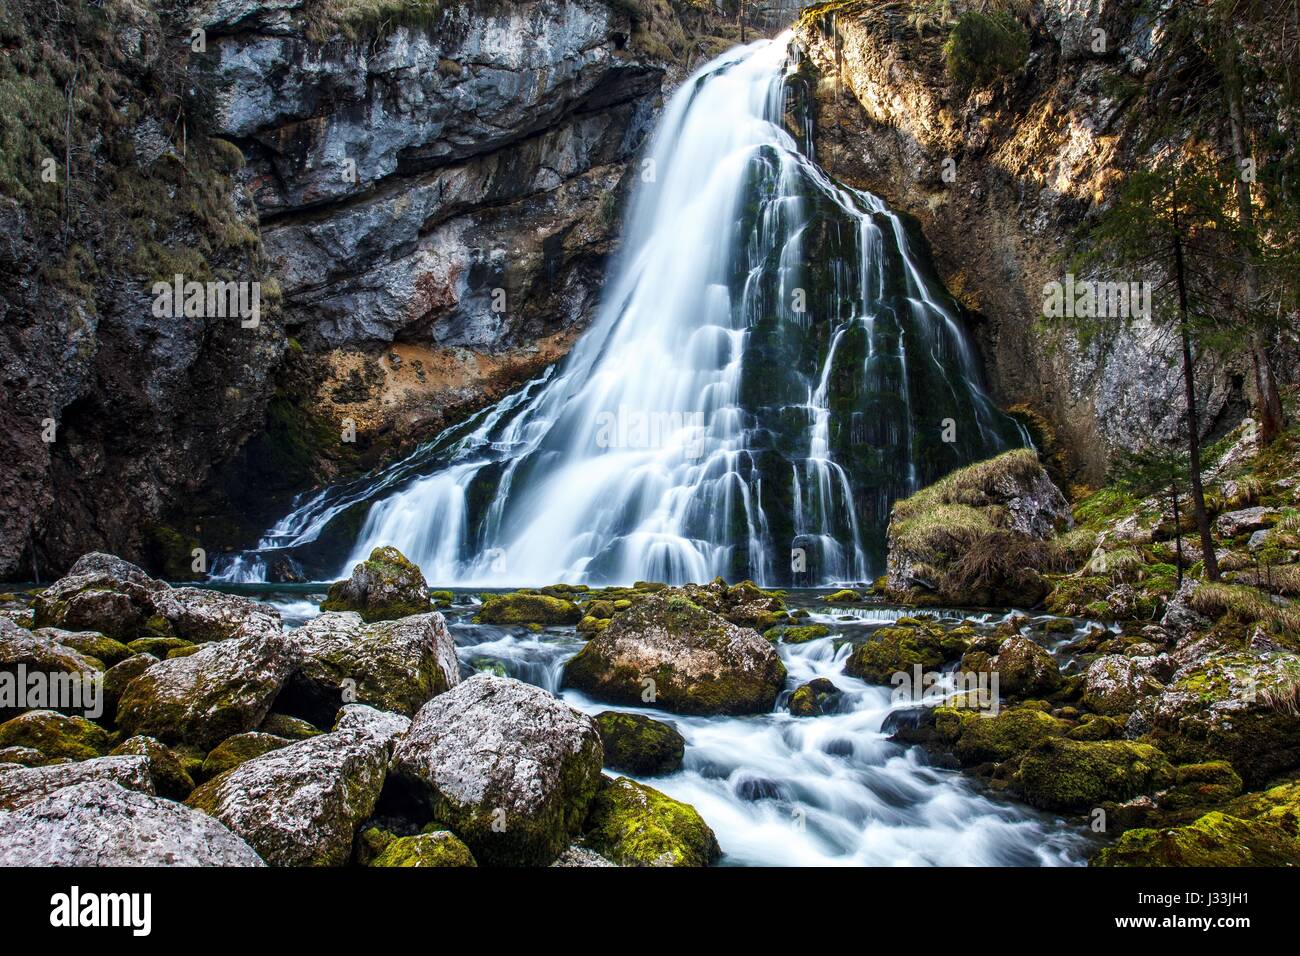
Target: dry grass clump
(1249, 605)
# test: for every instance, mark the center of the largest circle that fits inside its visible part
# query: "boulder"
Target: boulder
(102, 824)
(975, 738)
(635, 825)
(439, 848)
(898, 648)
(580, 856)
(637, 744)
(55, 735)
(20, 786)
(105, 650)
(1024, 669)
(236, 749)
(817, 697)
(384, 587)
(527, 607)
(671, 653)
(1073, 775)
(1230, 524)
(1216, 839)
(200, 615)
(300, 805)
(1227, 705)
(796, 633)
(1115, 683)
(290, 728)
(170, 778)
(119, 676)
(508, 767)
(100, 593)
(391, 665)
(23, 653)
(226, 688)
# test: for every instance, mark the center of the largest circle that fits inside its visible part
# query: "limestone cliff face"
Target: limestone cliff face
(428, 196)
(1026, 164)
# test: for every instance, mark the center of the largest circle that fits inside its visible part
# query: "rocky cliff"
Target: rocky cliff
(1000, 176)
(425, 193)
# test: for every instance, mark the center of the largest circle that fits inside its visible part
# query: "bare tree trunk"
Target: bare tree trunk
(1272, 417)
(1178, 529)
(1193, 421)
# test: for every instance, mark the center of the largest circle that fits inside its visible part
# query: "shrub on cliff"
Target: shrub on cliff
(983, 48)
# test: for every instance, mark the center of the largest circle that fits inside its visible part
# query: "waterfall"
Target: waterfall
(773, 363)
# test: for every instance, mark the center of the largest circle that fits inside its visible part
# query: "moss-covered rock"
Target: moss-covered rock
(637, 744)
(1117, 683)
(669, 652)
(1024, 669)
(817, 697)
(898, 648)
(384, 587)
(527, 607)
(635, 825)
(439, 848)
(1215, 839)
(391, 665)
(976, 738)
(796, 633)
(170, 778)
(1096, 727)
(1062, 774)
(290, 728)
(119, 676)
(100, 593)
(90, 643)
(234, 750)
(55, 735)
(505, 765)
(1201, 785)
(159, 647)
(842, 596)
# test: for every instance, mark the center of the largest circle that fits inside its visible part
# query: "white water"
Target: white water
(821, 791)
(636, 459)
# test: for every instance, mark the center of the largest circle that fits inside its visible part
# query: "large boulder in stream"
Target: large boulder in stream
(390, 665)
(300, 805)
(102, 824)
(669, 652)
(383, 587)
(637, 744)
(506, 766)
(224, 688)
(635, 825)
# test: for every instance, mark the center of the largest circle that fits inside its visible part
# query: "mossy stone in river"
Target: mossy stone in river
(157, 646)
(527, 607)
(170, 779)
(669, 652)
(1215, 839)
(439, 848)
(384, 587)
(896, 648)
(638, 744)
(1062, 774)
(1024, 668)
(55, 735)
(977, 738)
(635, 825)
(796, 633)
(843, 596)
(818, 696)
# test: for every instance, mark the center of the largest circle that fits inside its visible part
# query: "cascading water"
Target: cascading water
(773, 364)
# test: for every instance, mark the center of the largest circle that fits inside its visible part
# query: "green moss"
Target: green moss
(1215, 839)
(527, 607)
(843, 596)
(814, 698)
(976, 738)
(55, 735)
(985, 47)
(1063, 774)
(899, 647)
(439, 848)
(233, 751)
(103, 649)
(796, 634)
(637, 744)
(158, 646)
(635, 825)
(384, 587)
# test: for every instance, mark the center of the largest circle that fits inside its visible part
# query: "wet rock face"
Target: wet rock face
(668, 652)
(509, 768)
(1028, 169)
(103, 824)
